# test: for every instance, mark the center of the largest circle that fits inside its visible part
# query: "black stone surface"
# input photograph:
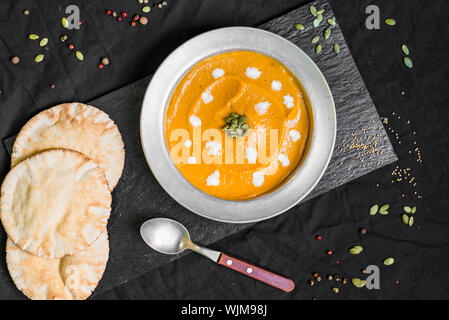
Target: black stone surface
(362, 146)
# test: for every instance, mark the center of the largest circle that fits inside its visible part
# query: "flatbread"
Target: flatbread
(70, 277)
(55, 203)
(78, 127)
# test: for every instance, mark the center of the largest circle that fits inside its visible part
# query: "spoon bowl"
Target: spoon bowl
(165, 235)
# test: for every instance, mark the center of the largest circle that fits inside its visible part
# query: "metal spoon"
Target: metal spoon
(170, 237)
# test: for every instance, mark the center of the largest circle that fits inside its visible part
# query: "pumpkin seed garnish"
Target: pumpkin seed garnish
(43, 42)
(358, 282)
(405, 49)
(411, 221)
(316, 39)
(388, 261)
(316, 23)
(327, 33)
(373, 210)
(39, 58)
(407, 209)
(405, 219)
(313, 11)
(408, 62)
(390, 22)
(33, 36)
(64, 22)
(318, 49)
(356, 250)
(331, 22)
(79, 55)
(336, 48)
(299, 26)
(413, 210)
(146, 9)
(235, 125)
(321, 11)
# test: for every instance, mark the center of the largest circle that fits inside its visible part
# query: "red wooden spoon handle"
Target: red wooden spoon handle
(257, 273)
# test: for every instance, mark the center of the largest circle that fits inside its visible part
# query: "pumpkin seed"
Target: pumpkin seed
(33, 36)
(405, 49)
(64, 22)
(407, 209)
(299, 26)
(337, 48)
(146, 9)
(316, 23)
(39, 58)
(318, 49)
(43, 42)
(79, 55)
(313, 11)
(319, 17)
(356, 250)
(321, 11)
(235, 125)
(411, 221)
(327, 33)
(408, 62)
(390, 22)
(358, 282)
(405, 219)
(316, 39)
(413, 210)
(373, 210)
(388, 261)
(331, 22)
(384, 209)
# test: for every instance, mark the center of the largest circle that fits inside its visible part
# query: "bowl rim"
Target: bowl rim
(152, 126)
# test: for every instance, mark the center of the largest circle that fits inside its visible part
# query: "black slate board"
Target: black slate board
(139, 197)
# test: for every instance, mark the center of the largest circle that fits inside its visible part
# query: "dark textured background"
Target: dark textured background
(285, 244)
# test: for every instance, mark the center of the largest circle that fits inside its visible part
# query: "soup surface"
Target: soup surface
(237, 125)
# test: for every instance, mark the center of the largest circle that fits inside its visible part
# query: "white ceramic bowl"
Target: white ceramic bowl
(302, 180)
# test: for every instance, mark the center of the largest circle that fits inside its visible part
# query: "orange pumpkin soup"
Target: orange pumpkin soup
(237, 125)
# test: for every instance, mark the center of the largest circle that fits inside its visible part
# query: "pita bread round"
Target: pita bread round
(69, 277)
(55, 203)
(78, 127)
